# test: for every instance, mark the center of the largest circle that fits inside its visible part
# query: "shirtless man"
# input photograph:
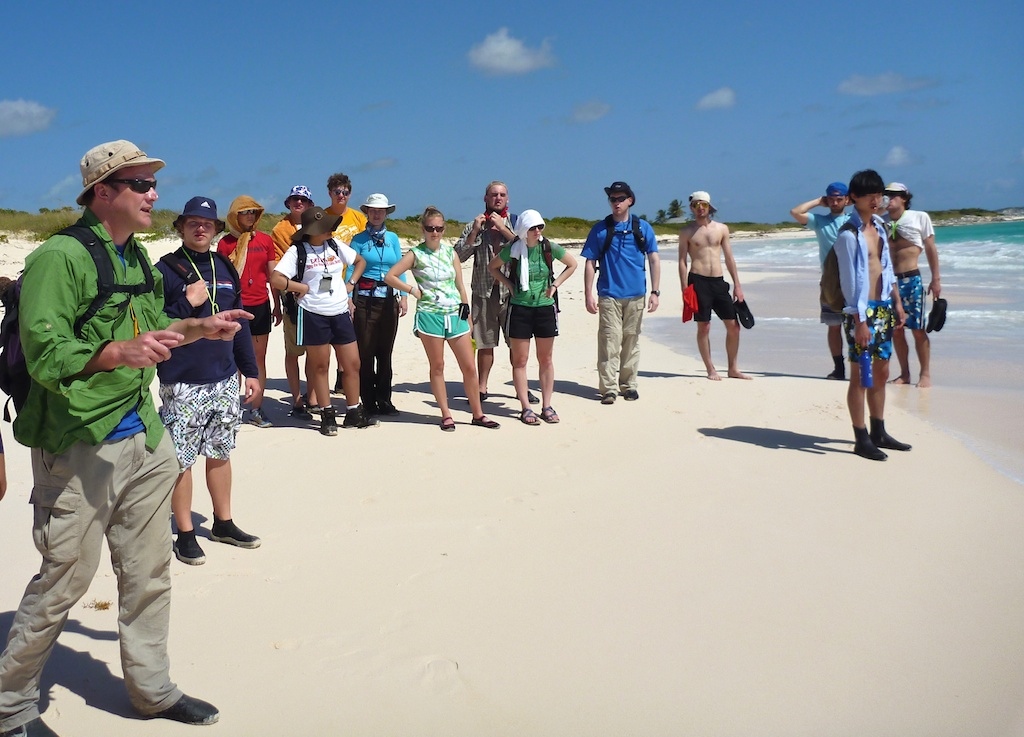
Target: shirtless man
(910, 232)
(872, 310)
(705, 243)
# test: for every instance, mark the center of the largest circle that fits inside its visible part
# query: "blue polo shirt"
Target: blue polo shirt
(623, 272)
(826, 228)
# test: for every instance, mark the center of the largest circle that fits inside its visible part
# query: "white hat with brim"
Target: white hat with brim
(702, 196)
(378, 201)
(101, 161)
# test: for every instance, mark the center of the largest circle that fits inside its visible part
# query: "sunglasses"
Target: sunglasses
(341, 192)
(200, 224)
(537, 227)
(433, 228)
(135, 185)
(248, 212)
(618, 199)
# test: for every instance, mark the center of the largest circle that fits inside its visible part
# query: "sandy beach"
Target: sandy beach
(709, 560)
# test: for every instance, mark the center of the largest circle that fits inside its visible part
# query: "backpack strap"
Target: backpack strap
(638, 235)
(106, 284)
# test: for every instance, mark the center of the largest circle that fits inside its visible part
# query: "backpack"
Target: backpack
(638, 236)
(548, 261)
(831, 288)
(291, 302)
(14, 378)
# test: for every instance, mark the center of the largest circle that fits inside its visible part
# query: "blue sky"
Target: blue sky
(762, 104)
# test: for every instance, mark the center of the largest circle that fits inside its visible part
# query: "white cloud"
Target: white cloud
(386, 162)
(22, 117)
(883, 84)
(69, 185)
(499, 53)
(897, 156)
(588, 112)
(721, 98)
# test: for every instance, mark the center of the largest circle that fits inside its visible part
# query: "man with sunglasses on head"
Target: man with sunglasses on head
(481, 240)
(353, 222)
(615, 256)
(826, 228)
(102, 463)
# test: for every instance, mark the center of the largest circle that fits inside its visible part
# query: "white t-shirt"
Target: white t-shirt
(914, 226)
(325, 297)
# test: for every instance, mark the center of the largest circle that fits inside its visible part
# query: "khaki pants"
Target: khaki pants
(618, 343)
(121, 490)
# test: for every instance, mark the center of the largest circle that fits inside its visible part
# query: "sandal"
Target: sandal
(485, 421)
(529, 417)
(448, 424)
(549, 415)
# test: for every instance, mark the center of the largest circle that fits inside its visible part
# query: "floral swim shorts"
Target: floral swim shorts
(881, 320)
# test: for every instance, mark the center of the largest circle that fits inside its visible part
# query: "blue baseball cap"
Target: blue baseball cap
(200, 207)
(836, 189)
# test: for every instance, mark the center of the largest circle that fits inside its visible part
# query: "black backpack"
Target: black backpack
(179, 264)
(14, 378)
(638, 236)
(548, 261)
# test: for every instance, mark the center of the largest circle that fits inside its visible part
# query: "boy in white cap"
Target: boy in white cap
(705, 244)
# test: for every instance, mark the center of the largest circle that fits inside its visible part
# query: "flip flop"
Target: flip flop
(485, 421)
(529, 417)
(549, 415)
(448, 424)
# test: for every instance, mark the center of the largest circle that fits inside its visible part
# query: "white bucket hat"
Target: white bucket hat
(377, 200)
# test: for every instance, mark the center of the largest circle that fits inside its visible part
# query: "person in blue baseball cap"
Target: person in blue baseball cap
(826, 228)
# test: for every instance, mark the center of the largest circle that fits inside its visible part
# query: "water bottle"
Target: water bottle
(864, 359)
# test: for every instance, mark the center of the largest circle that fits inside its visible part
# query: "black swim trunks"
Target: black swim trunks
(712, 294)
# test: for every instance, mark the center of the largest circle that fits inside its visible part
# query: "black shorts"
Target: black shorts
(260, 323)
(712, 294)
(324, 330)
(523, 323)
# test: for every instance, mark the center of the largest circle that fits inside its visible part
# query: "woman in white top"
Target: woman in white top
(324, 318)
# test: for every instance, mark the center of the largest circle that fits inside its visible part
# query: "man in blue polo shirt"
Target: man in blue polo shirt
(826, 228)
(620, 262)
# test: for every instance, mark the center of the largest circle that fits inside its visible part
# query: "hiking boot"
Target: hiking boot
(189, 710)
(187, 550)
(226, 531)
(35, 728)
(386, 408)
(257, 418)
(328, 422)
(337, 385)
(631, 395)
(608, 398)
(532, 398)
(311, 408)
(356, 417)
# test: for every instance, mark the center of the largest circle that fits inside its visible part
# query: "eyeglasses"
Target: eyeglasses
(298, 202)
(433, 228)
(135, 185)
(341, 192)
(618, 199)
(537, 227)
(248, 212)
(200, 224)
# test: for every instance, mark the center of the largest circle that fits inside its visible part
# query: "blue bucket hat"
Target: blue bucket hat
(199, 207)
(836, 189)
(299, 190)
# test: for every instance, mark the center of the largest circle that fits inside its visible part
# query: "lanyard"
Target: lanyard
(213, 274)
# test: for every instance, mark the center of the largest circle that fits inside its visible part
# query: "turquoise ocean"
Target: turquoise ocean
(977, 358)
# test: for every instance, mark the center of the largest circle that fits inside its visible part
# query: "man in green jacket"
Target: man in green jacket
(102, 464)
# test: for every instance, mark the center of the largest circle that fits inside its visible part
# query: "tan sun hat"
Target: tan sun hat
(101, 161)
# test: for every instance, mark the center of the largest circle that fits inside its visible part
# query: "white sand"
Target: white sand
(709, 560)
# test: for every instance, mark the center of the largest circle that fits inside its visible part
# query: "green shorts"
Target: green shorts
(439, 325)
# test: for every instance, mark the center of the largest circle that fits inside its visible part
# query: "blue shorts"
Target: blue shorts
(313, 329)
(439, 325)
(912, 297)
(881, 320)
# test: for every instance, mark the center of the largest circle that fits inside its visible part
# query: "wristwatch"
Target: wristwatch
(655, 292)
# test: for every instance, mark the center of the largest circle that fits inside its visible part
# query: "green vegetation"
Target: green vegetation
(942, 215)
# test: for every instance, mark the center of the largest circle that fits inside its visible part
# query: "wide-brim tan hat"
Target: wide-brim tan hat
(101, 161)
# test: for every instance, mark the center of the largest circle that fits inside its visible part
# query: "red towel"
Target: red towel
(689, 303)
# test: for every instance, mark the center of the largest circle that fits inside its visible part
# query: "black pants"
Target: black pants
(376, 322)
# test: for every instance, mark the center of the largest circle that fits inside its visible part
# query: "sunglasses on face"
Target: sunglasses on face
(433, 228)
(140, 186)
(537, 227)
(338, 191)
(200, 224)
(618, 199)
(247, 212)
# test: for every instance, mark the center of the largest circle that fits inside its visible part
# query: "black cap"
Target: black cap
(620, 188)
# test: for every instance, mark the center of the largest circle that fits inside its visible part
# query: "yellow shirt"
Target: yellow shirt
(353, 222)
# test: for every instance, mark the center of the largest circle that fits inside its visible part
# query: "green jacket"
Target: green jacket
(58, 285)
